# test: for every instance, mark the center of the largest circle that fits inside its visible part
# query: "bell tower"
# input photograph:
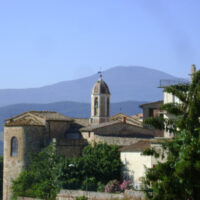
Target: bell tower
(100, 102)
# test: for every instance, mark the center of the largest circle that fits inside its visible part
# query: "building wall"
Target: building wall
(70, 147)
(135, 163)
(120, 141)
(57, 129)
(134, 166)
(30, 139)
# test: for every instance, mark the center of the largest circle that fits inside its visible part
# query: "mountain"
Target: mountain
(125, 83)
(70, 109)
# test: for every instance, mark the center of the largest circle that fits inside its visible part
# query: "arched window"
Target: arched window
(95, 106)
(14, 146)
(108, 107)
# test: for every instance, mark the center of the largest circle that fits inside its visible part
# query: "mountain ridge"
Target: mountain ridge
(130, 83)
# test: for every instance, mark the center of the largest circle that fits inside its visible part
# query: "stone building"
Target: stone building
(30, 132)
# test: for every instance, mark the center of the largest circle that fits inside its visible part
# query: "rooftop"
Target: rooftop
(36, 118)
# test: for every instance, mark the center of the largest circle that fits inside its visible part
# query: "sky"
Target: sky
(46, 41)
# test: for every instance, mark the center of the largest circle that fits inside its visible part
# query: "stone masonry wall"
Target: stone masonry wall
(57, 129)
(70, 147)
(30, 140)
(73, 194)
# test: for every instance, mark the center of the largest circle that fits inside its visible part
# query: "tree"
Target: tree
(102, 161)
(42, 177)
(179, 177)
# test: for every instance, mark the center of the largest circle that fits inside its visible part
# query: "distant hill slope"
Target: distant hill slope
(125, 83)
(71, 109)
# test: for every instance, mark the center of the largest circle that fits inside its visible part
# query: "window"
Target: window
(95, 106)
(14, 146)
(108, 107)
(151, 112)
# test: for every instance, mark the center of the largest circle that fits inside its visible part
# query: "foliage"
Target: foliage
(48, 172)
(41, 179)
(89, 183)
(126, 185)
(113, 186)
(102, 161)
(82, 198)
(100, 187)
(179, 177)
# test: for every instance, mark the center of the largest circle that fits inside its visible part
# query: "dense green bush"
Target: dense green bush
(49, 172)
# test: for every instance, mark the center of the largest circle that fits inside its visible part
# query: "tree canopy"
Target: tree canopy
(178, 177)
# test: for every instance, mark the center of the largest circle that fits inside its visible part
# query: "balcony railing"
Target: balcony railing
(168, 82)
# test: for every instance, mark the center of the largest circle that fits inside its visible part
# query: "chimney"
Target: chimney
(193, 70)
(124, 119)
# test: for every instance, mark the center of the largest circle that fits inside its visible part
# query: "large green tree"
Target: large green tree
(178, 177)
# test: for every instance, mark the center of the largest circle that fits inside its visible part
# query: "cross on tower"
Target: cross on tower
(100, 74)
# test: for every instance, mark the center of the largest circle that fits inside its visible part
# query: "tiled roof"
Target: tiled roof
(35, 118)
(160, 102)
(138, 116)
(142, 145)
(47, 115)
(82, 121)
(139, 146)
(51, 115)
(129, 119)
(101, 125)
(124, 129)
(23, 122)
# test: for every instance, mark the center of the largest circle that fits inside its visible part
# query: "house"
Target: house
(135, 163)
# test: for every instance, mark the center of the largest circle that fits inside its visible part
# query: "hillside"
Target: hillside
(125, 83)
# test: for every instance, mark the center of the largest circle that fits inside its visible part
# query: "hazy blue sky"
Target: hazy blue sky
(46, 41)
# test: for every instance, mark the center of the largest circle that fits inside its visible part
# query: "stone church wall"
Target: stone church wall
(29, 139)
(70, 147)
(57, 129)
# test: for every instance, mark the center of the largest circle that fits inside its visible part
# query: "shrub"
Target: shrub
(126, 185)
(100, 187)
(89, 184)
(113, 186)
(82, 198)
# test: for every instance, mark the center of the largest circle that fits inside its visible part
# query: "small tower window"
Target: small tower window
(95, 106)
(108, 107)
(14, 146)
